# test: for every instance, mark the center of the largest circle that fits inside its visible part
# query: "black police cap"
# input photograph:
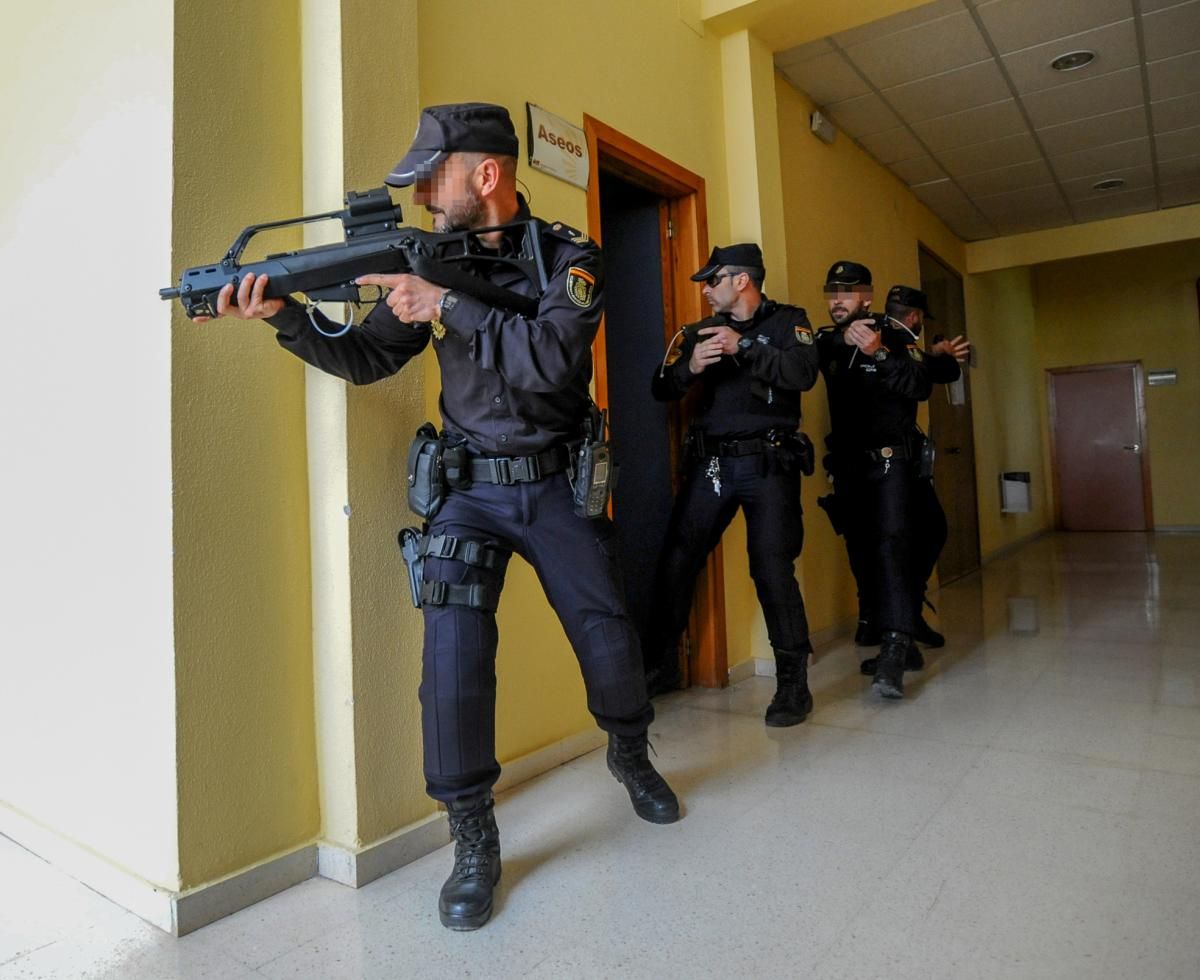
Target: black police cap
(843, 274)
(908, 296)
(746, 254)
(463, 127)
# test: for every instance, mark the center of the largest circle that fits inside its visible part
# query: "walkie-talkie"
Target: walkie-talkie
(592, 481)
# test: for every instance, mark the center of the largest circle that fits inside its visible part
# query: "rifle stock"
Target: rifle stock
(374, 243)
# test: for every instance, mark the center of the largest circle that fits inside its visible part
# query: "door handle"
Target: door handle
(1135, 447)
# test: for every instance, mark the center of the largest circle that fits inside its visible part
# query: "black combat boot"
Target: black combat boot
(652, 798)
(913, 660)
(867, 634)
(928, 635)
(466, 899)
(889, 669)
(793, 700)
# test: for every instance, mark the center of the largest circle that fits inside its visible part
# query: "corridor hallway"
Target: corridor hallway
(1029, 810)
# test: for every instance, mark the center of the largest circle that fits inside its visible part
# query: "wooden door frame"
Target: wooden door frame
(686, 208)
(1139, 401)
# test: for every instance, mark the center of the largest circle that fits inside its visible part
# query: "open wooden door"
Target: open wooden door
(656, 210)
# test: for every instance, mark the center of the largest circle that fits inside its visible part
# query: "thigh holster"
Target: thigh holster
(415, 548)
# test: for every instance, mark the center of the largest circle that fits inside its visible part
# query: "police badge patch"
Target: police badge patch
(580, 286)
(803, 334)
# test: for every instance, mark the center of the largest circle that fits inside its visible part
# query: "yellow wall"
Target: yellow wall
(246, 755)
(1008, 403)
(840, 204)
(1135, 305)
(87, 729)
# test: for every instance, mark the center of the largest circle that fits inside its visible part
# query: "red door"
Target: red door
(1099, 445)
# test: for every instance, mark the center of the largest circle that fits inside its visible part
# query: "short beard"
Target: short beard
(857, 313)
(464, 216)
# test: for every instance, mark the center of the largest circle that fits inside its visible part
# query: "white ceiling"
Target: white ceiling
(957, 98)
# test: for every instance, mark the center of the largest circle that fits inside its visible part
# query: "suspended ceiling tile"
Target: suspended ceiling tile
(1173, 77)
(1115, 205)
(803, 53)
(1115, 47)
(898, 22)
(1136, 178)
(953, 91)
(863, 116)
(928, 49)
(892, 145)
(1181, 168)
(1003, 179)
(941, 194)
(1028, 199)
(1181, 143)
(1151, 5)
(1088, 97)
(1172, 31)
(1017, 24)
(990, 155)
(1112, 127)
(977, 125)
(1180, 192)
(1016, 223)
(827, 79)
(1179, 113)
(1084, 163)
(970, 227)
(918, 170)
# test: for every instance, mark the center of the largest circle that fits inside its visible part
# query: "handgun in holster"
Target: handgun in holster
(414, 561)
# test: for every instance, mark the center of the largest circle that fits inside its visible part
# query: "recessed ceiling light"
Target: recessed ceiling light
(1108, 184)
(1073, 60)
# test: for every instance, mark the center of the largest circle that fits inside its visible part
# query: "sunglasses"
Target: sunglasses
(716, 277)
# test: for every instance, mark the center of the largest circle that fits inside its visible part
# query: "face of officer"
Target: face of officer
(723, 289)
(849, 305)
(458, 192)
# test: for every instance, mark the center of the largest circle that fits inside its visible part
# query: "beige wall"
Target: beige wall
(1136, 305)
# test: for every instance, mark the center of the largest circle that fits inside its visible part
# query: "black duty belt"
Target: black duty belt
(707, 445)
(507, 470)
(884, 453)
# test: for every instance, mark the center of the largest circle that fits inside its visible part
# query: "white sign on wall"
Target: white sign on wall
(557, 147)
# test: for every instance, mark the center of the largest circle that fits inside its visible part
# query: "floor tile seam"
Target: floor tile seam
(29, 952)
(895, 735)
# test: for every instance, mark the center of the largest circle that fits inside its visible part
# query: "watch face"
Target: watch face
(881, 354)
(449, 301)
(745, 343)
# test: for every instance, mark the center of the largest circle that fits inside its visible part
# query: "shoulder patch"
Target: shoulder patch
(803, 334)
(581, 285)
(569, 234)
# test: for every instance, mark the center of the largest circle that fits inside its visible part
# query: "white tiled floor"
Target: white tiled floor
(1029, 810)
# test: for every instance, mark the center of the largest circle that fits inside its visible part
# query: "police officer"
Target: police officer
(751, 359)
(875, 374)
(515, 395)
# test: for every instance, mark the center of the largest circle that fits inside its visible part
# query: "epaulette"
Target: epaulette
(569, 234)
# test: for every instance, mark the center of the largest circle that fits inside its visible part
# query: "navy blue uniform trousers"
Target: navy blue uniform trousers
(576, 563)
(768, 491)
(882, 517)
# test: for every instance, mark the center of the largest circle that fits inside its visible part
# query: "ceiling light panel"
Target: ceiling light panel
(1115, 47)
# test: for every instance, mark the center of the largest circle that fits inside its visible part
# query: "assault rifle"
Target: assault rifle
(374, 242)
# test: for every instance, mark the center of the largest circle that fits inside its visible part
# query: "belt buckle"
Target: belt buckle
(887, 452)
(531, 467)
(502, 470)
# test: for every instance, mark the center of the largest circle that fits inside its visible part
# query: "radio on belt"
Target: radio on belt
(592, 479)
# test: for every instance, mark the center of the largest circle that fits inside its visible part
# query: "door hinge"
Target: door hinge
(670, 228)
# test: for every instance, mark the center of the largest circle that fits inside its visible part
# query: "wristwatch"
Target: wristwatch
(446, 302)
(881, 354)
(745, 343)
